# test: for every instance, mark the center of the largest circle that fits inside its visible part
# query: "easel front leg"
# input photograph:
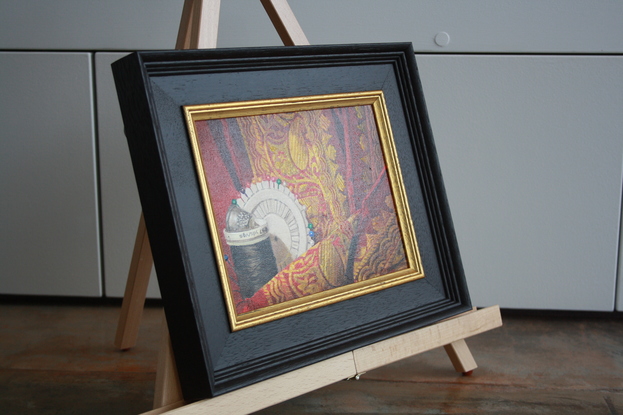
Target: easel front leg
(168, 392)
(461, 357)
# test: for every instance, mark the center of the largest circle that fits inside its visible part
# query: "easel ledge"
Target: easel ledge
(448, 333)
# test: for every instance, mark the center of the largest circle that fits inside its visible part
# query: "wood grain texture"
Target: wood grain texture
(205, 18)
(168, 390)
(199, 24)
(184, 32)
(275, 390)
(428, 338)
(460, 356)
(285, 22)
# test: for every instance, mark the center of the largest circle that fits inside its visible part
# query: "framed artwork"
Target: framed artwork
(305, 202)
(293, 201)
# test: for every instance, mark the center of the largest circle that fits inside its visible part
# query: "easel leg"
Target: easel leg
(168, 389)
(135, 290)
(285, 22)
(184, 32)
(461, 357)
(199, 24)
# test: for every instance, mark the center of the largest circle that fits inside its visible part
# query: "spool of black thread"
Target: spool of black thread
(251, 250)
(255, 265)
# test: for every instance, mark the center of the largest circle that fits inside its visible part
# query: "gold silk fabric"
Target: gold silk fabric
(331, 160)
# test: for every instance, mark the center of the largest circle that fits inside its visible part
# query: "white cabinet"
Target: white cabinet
(524, 99)
(120, 205)
(49, 242)
(531, 149)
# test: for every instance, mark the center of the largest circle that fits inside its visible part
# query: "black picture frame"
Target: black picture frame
(154, 87)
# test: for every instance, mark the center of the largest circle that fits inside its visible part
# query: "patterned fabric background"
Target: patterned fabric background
(332, 162)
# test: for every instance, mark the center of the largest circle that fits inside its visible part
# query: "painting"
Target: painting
(294, 203)
(306, 202)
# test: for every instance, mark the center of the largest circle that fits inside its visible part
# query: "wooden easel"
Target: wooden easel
(199, 29)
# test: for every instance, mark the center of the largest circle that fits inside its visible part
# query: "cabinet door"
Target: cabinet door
(120, 205)
(619, 305)
(531, 149)
(49, 244)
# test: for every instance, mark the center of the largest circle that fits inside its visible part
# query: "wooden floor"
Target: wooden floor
(59, 359)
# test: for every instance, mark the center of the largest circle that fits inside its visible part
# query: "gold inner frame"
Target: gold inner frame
(376, 99)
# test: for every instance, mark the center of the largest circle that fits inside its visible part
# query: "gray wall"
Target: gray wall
(525, 102)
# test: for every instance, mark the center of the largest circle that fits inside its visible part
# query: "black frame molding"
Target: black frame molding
(211, 359)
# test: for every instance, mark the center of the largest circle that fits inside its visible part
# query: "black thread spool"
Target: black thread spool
(251, 250)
